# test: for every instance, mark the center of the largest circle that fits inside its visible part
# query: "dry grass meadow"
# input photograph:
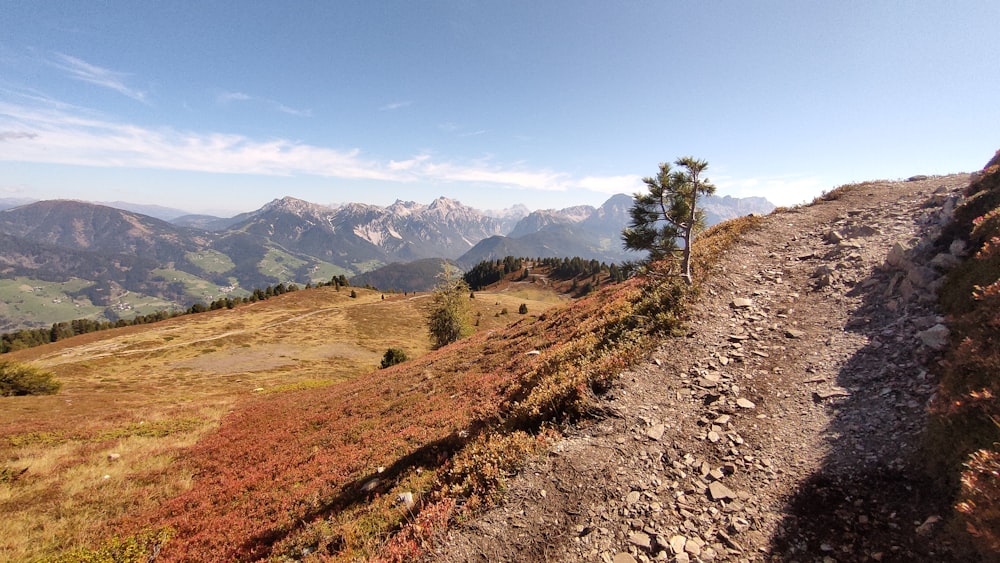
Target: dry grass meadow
(134, 398)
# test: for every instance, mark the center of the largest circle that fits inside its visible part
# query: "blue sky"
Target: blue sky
(222, 106)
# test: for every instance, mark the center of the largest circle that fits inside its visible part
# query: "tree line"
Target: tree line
(31, 337)
(489, 272)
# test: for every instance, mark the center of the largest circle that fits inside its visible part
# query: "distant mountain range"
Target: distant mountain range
(119, 253)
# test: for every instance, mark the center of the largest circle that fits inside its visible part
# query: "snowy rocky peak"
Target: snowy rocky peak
(515, 212)
(718, 209)
(296, 206)
(576, 213)
(402, 208)
(354, 209)
(451, 209)
(612, 215)
(446, 204)
(544, 218)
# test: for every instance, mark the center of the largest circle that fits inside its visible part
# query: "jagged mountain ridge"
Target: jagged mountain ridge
(591, 233)
(293, 241)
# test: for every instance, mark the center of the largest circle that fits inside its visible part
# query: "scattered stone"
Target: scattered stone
(677, 543)
(958, 248)
(745, 403)
(632, 497)
(114, 457)
(640, 539)
(370, 485)
(820, 396)
(925, 528)
(864, 231)
(623, 557)
(794, 333)
(897, 256)
(945, 261)
(533, 353)
(741, 303)
(718, 491)
(655, 432)
(712, 377)
(917, 178)
(936, 337)
(406, 499)
(713, 437)
(733, 544)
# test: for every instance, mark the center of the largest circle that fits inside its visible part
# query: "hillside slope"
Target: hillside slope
(784, 427)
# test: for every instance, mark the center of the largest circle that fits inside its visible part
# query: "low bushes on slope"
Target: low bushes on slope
(22, 379)
(964, 432)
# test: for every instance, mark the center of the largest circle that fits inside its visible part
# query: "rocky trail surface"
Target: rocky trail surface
(784, 427)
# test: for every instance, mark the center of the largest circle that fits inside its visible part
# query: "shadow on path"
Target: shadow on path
(871, 499)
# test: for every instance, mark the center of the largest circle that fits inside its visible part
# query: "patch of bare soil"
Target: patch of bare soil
(786, 425)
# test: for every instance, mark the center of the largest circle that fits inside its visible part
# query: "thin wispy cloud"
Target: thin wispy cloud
(230, 97)
(49, 135)
(226, 97)
(99, 76)
(395, 105)
(15, 135)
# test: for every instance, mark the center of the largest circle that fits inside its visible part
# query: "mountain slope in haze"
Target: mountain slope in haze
(419, 275)
(98, 228)
(206, 222)
(592, 233)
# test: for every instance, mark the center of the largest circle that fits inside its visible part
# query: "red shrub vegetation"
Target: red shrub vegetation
(964, 431)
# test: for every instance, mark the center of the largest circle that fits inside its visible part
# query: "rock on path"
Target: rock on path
(784, 428)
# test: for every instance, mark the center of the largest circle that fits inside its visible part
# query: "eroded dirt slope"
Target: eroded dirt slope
(784, 427)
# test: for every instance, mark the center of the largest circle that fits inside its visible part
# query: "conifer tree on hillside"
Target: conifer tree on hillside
(668, 213)
(449, 317)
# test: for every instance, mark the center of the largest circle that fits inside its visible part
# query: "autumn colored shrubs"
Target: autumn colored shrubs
(140, 548)
(22, 379)
(964, 430)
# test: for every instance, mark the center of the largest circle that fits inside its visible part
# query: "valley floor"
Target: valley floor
(786, 425)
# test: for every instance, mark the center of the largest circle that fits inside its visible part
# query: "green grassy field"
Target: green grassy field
(194, 287)
(211, 261)
(30, 302)
(324, 271)
(280, 265)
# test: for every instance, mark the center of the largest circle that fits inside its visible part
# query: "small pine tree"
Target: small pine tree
(354, 294)
(523, 309)
(449, 317)
(392, 357)
(669, 213)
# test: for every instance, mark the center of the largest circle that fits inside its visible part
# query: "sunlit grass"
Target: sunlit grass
(149, 393)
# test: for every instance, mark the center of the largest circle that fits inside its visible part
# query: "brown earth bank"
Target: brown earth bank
(786, 425)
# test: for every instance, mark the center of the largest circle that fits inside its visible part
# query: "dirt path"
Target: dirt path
(785, 427)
